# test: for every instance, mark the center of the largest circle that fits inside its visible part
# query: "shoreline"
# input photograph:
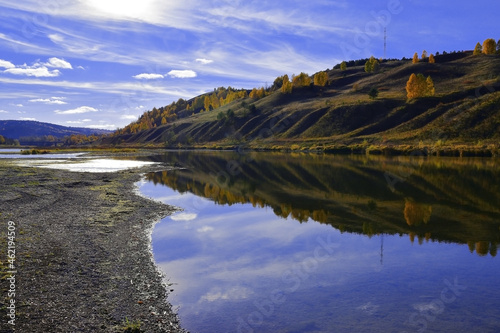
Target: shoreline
(83, 252)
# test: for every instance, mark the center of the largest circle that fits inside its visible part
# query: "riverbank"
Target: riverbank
(82, 252)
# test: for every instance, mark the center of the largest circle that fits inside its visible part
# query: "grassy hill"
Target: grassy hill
(464, 114)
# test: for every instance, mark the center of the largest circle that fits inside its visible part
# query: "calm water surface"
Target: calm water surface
(303, 243)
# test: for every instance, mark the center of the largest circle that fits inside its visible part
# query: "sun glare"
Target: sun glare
(123, 8)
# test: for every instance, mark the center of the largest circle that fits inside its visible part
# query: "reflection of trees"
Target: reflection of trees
(416, 213)
(482, 248)
(335, 190)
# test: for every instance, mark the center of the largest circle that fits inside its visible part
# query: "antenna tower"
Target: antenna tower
(385, 43)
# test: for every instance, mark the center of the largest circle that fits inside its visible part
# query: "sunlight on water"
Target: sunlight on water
(89, 165)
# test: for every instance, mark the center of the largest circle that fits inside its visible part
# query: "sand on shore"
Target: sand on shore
(82, 255)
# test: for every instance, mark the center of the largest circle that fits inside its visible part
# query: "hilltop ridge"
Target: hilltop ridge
(464, 111)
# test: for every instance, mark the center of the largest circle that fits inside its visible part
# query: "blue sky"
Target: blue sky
(102, 63)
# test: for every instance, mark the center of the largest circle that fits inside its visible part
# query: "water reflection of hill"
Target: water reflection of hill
(451, 200)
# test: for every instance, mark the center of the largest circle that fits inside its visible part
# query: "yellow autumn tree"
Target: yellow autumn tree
(432, 60)
(415, 213)
(321, 78)
(206, 103)
(424, 54)
(415, 58)
(489, 46)
(301, 80)
(419, 86)
(372, 65)
(343, 66)
(478, 49)
(287, 85)
(253, 94)
(429, 89)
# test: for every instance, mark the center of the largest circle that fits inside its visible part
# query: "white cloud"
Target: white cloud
(38, 69)
(103, 87)
(6, 64)
(19, 105)
(103, 126)
(3, 111)
(26, 118)
(79, 121)
(78, 110)
(182, 74)
(58, 63)
(147, 76)
(205, 229)
(33, 71)
(204, 61)
(53, 100)
(81, 67)
(55, 38)
(128, 117)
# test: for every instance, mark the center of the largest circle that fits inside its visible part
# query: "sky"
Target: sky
(102, 63)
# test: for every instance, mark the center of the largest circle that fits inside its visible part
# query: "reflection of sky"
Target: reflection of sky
(240, 268)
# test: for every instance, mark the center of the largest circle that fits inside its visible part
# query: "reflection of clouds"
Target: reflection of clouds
(233, 293)
(369, 308)
(184, 216)
(426, 307)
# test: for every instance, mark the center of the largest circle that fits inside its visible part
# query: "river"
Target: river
(270, 242)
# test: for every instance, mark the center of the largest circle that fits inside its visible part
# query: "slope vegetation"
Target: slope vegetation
(465, 111)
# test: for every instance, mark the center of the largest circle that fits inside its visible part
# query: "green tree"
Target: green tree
(478, 49)
(373, 93)
(278, 83)
(498, 47)
(489, 46)
(415, 58)
(343, 66)
(321, 78)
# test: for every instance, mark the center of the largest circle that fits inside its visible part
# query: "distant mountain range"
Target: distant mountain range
(16, 129)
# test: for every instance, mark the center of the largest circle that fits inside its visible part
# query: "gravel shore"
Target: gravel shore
(82, 252)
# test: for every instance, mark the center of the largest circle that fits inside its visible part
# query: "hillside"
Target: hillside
(464, 111)
(30, 131)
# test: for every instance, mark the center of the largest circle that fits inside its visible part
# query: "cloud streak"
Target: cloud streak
(78, 110)
(53, 100)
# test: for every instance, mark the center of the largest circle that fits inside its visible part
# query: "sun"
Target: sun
(123, 8)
